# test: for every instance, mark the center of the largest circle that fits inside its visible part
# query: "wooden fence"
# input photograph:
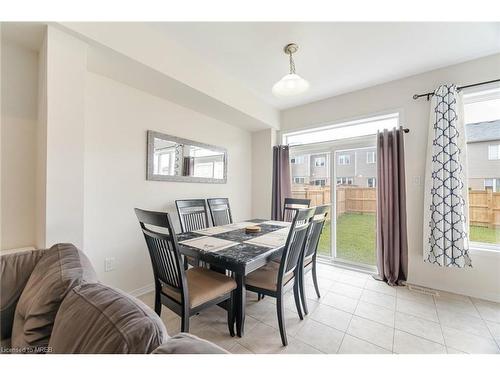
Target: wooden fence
(349, 199)
(484, 208)
(484, 205)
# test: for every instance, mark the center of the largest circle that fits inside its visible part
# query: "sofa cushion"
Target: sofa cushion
(95, 318)
(60, 269)
(185, 343)
(15, 270)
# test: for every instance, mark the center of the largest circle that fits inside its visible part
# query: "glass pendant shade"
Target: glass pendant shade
(289, 85)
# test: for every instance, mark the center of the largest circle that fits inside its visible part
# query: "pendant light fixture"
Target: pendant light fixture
(292, 83)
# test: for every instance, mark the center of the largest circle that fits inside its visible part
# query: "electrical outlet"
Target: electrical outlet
(109, 264)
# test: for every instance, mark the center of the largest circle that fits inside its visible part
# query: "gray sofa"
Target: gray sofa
(52, 302)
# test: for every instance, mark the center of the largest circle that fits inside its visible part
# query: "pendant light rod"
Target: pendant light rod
(290, 49)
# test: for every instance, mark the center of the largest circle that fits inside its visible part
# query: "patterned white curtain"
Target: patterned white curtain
(446, 240)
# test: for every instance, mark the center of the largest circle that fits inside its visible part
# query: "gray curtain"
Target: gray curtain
(282, 187)
(188, 166)
(392, 244)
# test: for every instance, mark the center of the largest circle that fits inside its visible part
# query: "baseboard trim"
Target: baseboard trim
(143, 290)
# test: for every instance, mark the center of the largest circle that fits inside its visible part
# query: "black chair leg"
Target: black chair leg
(296, 295)
(185, 322)
(315, 279)
(259, 296)
(281, 321)
(303, 292)
(230, 313)
(157, 303)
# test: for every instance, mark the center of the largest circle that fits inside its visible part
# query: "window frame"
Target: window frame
(491, 147)
(473, 96)
(374, 159)
(299, 178)
(322, 159)
(348, 156)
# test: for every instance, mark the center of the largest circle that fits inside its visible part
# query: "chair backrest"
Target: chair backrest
(164, 251)
(317, 223)
(220, 211)
(192, 214)
(295, 243)
(291, 205)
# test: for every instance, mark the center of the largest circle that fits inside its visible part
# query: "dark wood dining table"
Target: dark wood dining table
(241, 258)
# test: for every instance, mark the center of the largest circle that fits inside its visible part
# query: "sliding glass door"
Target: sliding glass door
(311, 178)
(336, 165)
(354, 226)
(341, 174)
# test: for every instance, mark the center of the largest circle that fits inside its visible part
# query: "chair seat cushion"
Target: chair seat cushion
(308, 261)
(203, 285)
(267, 277)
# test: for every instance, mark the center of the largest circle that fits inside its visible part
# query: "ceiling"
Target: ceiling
(334, 57)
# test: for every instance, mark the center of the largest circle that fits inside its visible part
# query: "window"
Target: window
(344, 159)
(493, 184)
(355, 128)
(370, 157)
(345, 180)
(371, 182)
(320, 182)
(482, 119)
(494, 152)
(299, 180)
(319, 162)
(297, 160)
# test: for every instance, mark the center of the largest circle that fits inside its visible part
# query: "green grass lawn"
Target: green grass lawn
(356, 237)
(488, 235)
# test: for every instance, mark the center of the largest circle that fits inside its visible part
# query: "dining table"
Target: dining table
(231, 247)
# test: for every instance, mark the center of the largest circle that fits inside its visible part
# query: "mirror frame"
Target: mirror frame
(157, 177)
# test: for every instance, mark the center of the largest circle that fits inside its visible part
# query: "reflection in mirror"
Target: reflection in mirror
(176, 159)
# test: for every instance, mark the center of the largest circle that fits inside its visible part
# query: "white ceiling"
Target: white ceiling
(334, 57)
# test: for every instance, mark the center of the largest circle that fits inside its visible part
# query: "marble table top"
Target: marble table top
(240, 254)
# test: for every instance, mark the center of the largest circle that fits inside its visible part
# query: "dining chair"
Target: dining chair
(308, 258)
(192, 214)
(220, 211)
(291, 205)
(185, 292)
(275, 279)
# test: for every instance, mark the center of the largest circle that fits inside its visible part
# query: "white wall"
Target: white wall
(116, 120)
(483, 280)
(66, 69)
(18, 151)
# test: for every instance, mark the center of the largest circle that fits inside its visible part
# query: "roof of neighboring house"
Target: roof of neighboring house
(483, 131)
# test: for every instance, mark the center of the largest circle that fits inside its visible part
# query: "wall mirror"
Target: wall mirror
(177, 159)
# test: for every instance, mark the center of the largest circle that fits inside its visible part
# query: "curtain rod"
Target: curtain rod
(429, 94)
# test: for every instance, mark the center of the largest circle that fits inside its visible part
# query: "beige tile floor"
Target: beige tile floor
(355, 314)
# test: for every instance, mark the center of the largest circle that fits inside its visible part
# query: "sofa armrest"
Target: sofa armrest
(184, 343)
(15, 269)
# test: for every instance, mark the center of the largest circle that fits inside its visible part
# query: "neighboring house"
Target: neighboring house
(353, 167)
(311, 169)
(483, 155)
(356, 167)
